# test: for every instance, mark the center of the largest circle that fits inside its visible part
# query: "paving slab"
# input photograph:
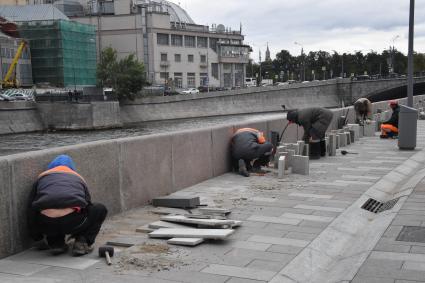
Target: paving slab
(240, 272)
(216, 234)
(45, 258)
(185, 241)
(20, 268)
(126, 241)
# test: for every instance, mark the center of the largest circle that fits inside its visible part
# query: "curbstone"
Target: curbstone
(300, 165)
(281, 167)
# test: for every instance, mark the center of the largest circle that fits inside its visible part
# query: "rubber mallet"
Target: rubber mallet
(106, 252)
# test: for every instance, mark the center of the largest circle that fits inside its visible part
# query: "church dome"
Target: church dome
(177, 13)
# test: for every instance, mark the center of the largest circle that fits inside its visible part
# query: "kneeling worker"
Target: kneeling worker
(363, 109)
(389, 128)
(250, 151)
(315, 122)
(59, 205)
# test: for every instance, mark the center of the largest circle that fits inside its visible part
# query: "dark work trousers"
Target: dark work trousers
(263, 160)
(85, 224)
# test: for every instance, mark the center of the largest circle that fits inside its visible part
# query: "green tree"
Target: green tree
(125, 76)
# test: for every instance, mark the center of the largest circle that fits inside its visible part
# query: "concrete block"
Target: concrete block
(214, 211)
(356, 129)
(301, 147)
(289, 158)
(164, 224)
(217, 234)
(185, 241)
(188, 171)
(281, 167)
(361, 131)
(300, 164)
(369, 129)
(294, 147)
(337, 141)
(176, 201)
(342, 140)
(352, 136)
(332, 144)
(144, 229)
(348, 138)
(306, 151)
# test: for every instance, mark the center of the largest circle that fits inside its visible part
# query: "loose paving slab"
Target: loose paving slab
(216, 234)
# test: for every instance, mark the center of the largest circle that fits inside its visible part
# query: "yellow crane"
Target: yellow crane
(9, 81)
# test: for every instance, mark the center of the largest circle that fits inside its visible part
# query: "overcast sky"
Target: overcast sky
(344, 26)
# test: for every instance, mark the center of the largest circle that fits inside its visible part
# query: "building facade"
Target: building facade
(176, 51)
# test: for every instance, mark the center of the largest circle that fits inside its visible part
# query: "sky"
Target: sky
(340, 25)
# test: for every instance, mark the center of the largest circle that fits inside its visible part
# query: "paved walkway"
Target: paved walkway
(298, 229)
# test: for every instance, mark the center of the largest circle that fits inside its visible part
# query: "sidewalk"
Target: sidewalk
(285, 221)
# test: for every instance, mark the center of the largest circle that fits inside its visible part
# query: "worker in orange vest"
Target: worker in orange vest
(250, 151)
(389, 128)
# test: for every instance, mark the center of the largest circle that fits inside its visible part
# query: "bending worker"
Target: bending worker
(363, 109)
(59, 205)
(389, 128)
(250, 151)
(315, 122)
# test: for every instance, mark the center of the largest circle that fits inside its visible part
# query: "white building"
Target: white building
(175, 50)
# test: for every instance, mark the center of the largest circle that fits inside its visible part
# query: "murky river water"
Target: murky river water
(17, 143)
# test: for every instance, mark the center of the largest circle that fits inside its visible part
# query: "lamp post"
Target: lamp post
(410, 56)
(302, 58)
(392, 52)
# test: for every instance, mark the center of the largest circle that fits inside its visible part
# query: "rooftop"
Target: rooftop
(31, 13)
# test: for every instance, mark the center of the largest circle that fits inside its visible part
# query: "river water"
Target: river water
(17, 143)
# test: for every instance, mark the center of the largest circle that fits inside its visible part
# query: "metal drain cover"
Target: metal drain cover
(375, 206)
(412, 234)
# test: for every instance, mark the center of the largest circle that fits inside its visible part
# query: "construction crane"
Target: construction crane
(9, 80)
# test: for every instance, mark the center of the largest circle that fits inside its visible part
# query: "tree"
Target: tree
(125, 76)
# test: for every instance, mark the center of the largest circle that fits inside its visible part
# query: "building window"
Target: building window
(162, 39)
(191, 80)
(177, 57)
(203, 58)
(164, 57)
(176, 40)
(189, 41)
(203, 77)
(213, 44)
(178, 80)
(190, 58)
(214, 70)
(202, 42)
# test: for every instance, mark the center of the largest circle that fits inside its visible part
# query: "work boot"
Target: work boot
(242, 168)
(81, 247)
(383, 136)
(322, 148)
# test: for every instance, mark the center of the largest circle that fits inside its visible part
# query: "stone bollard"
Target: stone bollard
(306, 151)
(352, 136)
(348, 137)
(300, 165)
(337, 141)
(281, 167)
(300, 147)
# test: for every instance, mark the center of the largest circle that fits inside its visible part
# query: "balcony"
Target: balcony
(164, 64)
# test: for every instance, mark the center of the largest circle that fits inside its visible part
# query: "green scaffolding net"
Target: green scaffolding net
(63, 53)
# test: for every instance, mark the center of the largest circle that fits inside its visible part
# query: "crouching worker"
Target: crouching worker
(250, 151)
(315, 122)
(389, 129)
(59, 205)
(363, 109)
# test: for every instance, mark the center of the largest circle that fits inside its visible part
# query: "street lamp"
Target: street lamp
(302, 58)
(342, 63)
(392, 53)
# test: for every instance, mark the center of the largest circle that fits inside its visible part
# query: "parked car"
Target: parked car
(4, 97)
(190, 91)
(20, 96)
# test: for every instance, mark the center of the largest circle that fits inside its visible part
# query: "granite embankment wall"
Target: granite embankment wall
(127, 173)
(19, 117)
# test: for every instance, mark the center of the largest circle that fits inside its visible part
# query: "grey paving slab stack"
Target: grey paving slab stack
(337, 141)
(352, 136)
(300, 165)
(294, 147)
(173, 201)
(300, 147)
(281, 167)
(369, 129)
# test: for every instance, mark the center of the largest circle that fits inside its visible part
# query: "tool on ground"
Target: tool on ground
(344, 152)
(106, 252)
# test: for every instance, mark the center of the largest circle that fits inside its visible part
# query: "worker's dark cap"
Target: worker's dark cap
(292, 116)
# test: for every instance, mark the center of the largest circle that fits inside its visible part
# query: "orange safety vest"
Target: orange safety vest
(260, 135)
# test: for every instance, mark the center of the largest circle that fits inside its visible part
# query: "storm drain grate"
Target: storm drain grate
(375, 206)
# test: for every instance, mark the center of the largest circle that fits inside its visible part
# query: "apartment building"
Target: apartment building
(175, 50)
